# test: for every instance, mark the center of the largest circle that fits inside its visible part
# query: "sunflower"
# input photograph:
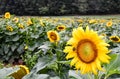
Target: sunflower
(7, 15)
(41, 23)
(15, 19)
(87, 50)
(20, 73)
(53, 36)
(9, 28)
(20, 26)
(26, 47)
(115, 38)
(29, 22)
(109, 24)
(92, 21)
(80, 20)
(61, 27)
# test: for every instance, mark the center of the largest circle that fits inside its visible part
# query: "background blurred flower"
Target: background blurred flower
(61, 27)
(9, 28)
(114, 38)
(15, 19)
(7, 15)
(53, 36)
(109, 24)
(20, 26)
(29, 22)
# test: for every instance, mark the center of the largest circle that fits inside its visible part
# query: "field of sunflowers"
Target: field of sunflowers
(59, 47)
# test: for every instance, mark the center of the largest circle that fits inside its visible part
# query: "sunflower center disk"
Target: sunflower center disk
(53, 36)
(86, 51)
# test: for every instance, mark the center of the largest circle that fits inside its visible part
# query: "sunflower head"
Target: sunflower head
(115, 38)
(102, 20)
(15, 19)
(9, 28)
(61, 27)
(80, 20)
(87, 50)
(20, 26)
(92, 21)
(41, 23)
(109, 24)
(7, 15)
(53, 36)
(29, 22)
(21, 72)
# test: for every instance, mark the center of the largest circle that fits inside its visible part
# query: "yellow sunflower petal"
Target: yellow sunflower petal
(75, 59)
(70, 55)
(94, 68)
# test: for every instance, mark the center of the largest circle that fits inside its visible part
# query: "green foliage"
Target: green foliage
(114, 66)
(45, 59)
(6, 72)
(14, 42)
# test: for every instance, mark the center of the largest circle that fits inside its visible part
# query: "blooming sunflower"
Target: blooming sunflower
(7, 15)
(115, 38)
(109, 24)
(53, 36)
(20, 73)
(61, 27)
(88, 50)
(15, 19)
(9, 28)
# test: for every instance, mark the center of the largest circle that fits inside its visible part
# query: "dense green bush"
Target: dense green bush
(59, 7)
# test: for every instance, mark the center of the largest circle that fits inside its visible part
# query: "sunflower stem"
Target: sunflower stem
(89, 76)
(96, 77)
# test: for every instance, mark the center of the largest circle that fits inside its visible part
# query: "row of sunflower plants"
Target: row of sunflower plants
(61, 48)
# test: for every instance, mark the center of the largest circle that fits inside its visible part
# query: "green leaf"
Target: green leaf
(114, 66)
(7, 71)
(36, 76)
(16, 38)
(13, 47)
(74, 75)
(42, 63)
(34, 36)
(9, 78)
(10, 33)
(56, 77)
(6, 48)
(64, 62)
(45, 47)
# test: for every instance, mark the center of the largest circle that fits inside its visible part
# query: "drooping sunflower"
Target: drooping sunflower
(61, 27)
(115, 38)
(7, 15)
(53, 36)
(29, 22)
(92, 21)
(20, 26)
(87, 50)
(41, 23)
(21, 73)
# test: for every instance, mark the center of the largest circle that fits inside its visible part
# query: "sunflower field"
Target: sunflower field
(73, 47)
